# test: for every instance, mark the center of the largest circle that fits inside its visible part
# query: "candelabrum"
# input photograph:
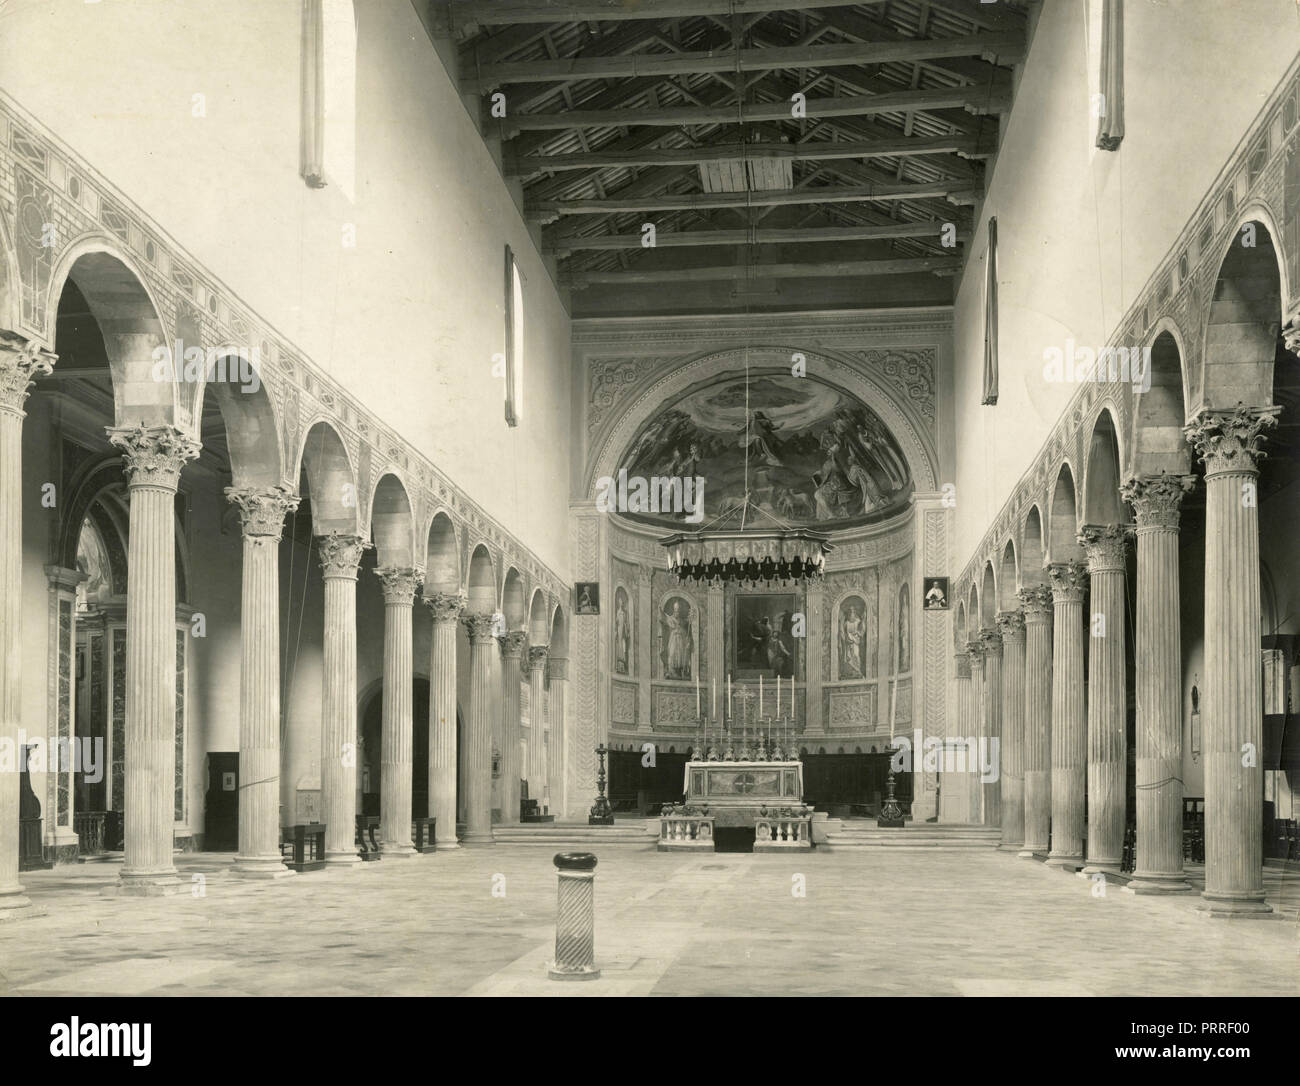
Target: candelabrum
(602, 814)
(891, 813)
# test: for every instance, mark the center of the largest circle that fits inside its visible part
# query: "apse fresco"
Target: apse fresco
(817, 455)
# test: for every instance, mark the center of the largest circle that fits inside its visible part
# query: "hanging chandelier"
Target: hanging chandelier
(729, 550)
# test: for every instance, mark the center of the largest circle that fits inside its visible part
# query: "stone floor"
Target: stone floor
(873, 921)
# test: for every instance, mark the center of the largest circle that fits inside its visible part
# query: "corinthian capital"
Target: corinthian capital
(975, 650)
(479, 627)
(991, 642)
(446, 606)
(262, 509)
(154, 455)
(1157, 499)
(537, 657)
(512, 643)
(21, 361)
(340, 554)
(1069, 580)
(1230, 441)
(1037, 601)
(1105, 545)
(1011, 625)
(400, 583)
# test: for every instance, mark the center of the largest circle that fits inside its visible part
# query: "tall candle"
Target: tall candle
(697, 696)
(760, 697)
(778, 697)
(713, 696)
(729, 712)
(893, 706)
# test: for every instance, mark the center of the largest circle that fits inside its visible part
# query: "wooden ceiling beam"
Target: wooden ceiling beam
(1007, 46)
(550, 210)
(566, 243)
(972, 99)
(465, 15)
(822, 269)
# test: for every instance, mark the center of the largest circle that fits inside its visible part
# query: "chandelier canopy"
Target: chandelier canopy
(731, 549)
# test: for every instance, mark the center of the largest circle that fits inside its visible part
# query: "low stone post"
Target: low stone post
(575, 917)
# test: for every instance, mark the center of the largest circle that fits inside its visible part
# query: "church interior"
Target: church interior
(832, 462)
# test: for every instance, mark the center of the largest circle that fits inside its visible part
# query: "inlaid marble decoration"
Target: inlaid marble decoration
(119, 719)
(65, 708)
(179, 786)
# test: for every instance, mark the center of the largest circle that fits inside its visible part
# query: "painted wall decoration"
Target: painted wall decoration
(763, 641)
(816, 455)
(903, 631)
(676, 639)
(851, 658)
(624, 656)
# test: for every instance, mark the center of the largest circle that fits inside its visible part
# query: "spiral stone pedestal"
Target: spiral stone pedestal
(575, 918)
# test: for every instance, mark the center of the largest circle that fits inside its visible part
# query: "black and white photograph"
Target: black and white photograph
(918, 383)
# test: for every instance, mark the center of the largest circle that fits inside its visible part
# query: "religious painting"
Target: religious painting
(587, 598)
(622, 632)
(676, 639)
(903, 634)
(851, 639)
(935, 593)
(763, 640)
(804, 451)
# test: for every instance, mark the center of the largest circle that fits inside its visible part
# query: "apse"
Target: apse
(804, 450)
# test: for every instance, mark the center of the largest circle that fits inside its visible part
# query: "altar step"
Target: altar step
(559, 835)
(925, 835)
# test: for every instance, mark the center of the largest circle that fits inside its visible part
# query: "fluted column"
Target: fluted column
(154, 456)
(992, 642)
(1158, 866)
(557, 675)
(1229, 444)
(1105, 547)
(340, 555)
(536, 774)
(262, 511)
(958, 806)
(477, 773)
(400, 585)
(1036, 756)
(447, 609)
(1069, 731)
(512, 646)
(975, 725)
(21, 362)
(1011, 625)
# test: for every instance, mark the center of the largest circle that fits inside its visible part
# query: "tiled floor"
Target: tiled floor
(872, 921)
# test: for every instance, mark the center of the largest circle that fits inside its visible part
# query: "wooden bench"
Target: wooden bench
(305, 842)
(422, 834)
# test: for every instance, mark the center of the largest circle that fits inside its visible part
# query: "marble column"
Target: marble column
(21, 362)
(1011, 625)
(557, 674)
(536, 775)
(958, 807)
(1158, 866)
(400, 585)
(340, 555)
(262, 511)
(975, 726)
(154, 456)
(477, 773)
(1069, 732)
(1232, 702)
(1036, 749)
(992, 789)
(447, 608)
(512, 647)
(1105, 547)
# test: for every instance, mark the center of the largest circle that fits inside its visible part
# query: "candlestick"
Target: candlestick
(697, 694)
(730, 713)
(778, 697)
(713, 696)
(760, 697)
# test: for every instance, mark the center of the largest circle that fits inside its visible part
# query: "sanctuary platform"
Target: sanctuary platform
(766, 796)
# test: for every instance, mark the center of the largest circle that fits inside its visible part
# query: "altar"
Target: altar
(764, 795)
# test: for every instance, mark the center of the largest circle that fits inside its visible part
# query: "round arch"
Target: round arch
(1157, 443)
(1063, 518)
(392, 524)
(331, 483)
(442, 555)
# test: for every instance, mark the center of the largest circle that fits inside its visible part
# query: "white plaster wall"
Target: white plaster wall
(1080, 231)
(408, 319)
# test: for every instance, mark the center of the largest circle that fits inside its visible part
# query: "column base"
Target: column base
(1103, 867)
(162, 884)
(260, 867)
(1010, 848)
(1066, 863)
(447, 845)
(397, 852)
(341, 861)
(478, 840)
(18, 906)
(582, 973)
(1236, 908)
(1028, 854)
(1158, 882)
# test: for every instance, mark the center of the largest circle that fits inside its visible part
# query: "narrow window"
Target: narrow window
(514, 339)
(328, 138)
(991, 317)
